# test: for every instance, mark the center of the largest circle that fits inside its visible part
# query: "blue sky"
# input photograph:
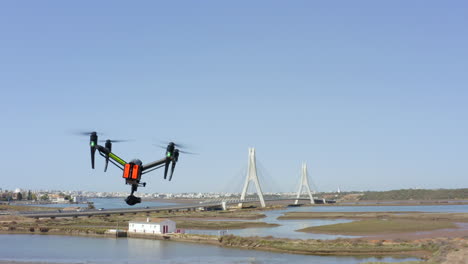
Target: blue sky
(371, 94)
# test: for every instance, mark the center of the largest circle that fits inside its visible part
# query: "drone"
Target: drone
(133, 170)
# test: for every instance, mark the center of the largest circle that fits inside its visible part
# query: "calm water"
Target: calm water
(287, 227)
(63, 249)
(111, 203)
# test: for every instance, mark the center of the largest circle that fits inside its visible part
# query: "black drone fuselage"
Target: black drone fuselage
(133, 170)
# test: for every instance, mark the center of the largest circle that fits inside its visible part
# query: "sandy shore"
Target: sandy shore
(460, 232)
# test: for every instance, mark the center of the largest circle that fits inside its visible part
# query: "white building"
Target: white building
(152, 226)
(79, 199)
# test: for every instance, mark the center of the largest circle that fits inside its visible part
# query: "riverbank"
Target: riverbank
(388, 225)
(391, 243)
(338, 247)
(453, 217)
(380, 227)
(441, 250)
(97, 226)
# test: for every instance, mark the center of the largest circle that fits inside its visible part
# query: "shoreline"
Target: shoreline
(267, 244)
(385, 244)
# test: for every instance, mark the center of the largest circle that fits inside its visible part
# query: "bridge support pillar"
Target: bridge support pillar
(252, 176)
(304, 182)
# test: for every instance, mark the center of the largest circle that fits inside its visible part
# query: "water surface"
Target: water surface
(287, 227)
(111, 203)
(63, 249)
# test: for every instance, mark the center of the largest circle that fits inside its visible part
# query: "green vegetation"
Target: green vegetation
(19, 208)
(219, 225)
(244, 214)
(98, 224)
(325, 247)
(379, 226)
(404, 262)
(417, 194)
(452, 217)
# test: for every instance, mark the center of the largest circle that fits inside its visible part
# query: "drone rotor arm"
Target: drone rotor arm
(153, 164)
(118, 165)
(154, 168)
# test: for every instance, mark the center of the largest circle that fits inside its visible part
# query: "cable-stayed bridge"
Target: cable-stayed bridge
(252, 177)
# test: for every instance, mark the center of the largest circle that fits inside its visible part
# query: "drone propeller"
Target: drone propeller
(186, 152)
(108, 146)
(84, 133)
(169, 157)
(115, 140)
(93, 139)
(179, 145)
(174, 162)
(172, 155)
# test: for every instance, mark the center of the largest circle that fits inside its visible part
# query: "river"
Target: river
(287, 228)
(64, 249)
(110, 203)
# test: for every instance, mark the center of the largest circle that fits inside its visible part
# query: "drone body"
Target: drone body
(133, 170)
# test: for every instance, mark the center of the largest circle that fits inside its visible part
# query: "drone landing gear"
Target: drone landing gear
(132, 199)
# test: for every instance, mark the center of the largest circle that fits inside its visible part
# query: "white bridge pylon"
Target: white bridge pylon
(304, 182)
(252, 176)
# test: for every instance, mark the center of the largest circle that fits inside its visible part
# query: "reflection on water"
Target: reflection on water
(63, 249)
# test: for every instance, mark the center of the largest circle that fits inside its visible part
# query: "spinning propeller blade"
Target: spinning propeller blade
(172, 155)
(115, 140)
(93, 139)
(108, 146)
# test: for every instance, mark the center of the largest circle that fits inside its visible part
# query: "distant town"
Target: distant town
(62, 196)
(65, 196)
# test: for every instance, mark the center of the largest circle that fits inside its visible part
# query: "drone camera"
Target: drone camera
(132, 200)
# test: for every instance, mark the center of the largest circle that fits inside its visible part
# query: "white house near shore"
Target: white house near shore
(152, 226)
